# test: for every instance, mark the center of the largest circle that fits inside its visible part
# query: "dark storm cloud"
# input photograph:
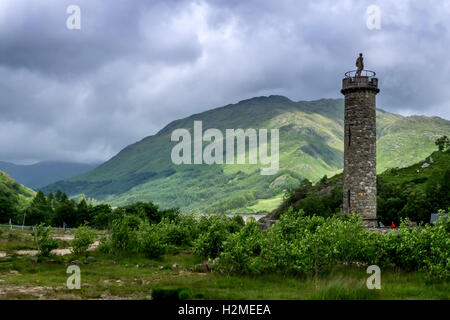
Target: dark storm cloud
(36, 38)
(134, 66)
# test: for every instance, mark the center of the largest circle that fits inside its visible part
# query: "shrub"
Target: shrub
(300, 244)
(240, 248)
(132, 234)
(437, 262)
(45, 244)
(214, 230)
(84, 237)
(124, 233)
(106, 245)
(238, 220)
(149, 242)
(406, 248)
(179, 231)
(421, 248)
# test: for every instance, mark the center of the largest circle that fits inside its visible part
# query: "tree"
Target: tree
(293, 195)
(83, 212)
(102, 216)
(443, 143)
(312, 205)
(417, 207)
(8, 203)
(39, 211)
(143, 210)
(438, 192)
(58, 195)
(65, 212)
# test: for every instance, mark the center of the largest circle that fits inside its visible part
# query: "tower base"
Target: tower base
(370, 223)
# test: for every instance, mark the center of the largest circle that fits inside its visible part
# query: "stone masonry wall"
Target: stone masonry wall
(360, 179)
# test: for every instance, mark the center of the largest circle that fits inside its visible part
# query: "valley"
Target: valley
(310, 146)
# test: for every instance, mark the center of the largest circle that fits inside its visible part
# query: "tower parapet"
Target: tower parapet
(354, 83)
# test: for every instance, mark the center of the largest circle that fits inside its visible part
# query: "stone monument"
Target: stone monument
(360, 143)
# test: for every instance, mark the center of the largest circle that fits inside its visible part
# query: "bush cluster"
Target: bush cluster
(84, 236)
(304, 245)
(421, 248)
(45, 244)
(212, 233)
(298, 244)
(133, 234)
(136, 234)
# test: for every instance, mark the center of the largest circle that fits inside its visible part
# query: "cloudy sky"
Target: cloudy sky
(83, 95)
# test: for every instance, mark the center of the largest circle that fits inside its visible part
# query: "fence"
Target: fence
(30, 227)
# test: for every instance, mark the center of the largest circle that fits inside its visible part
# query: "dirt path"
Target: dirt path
(35, 292)
(11, 292)
(63, 237)
(58, 252)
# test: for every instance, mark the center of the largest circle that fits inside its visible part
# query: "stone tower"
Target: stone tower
(360, 138)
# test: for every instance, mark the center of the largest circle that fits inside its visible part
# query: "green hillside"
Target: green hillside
(412, 192)
(311, 145)
(13, 197)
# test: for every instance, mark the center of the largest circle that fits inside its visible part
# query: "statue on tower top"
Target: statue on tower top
(359, 65)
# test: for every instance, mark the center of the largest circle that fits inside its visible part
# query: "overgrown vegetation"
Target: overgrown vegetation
(298, 244)
(135, 234)
(413, 192)
(44, 243)
(115, 277)
(300, 256)
(83, 238)
(310, 245)
(60, 211)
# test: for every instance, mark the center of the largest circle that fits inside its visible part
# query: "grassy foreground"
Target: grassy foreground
(111, 277)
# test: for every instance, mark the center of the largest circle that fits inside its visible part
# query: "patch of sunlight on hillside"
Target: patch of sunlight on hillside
(267, 205)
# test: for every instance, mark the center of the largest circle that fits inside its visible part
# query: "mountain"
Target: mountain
(311, 145)
(13, 197)
(41, 174)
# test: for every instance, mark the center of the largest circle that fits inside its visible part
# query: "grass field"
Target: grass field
(135, 277)
(267, 205)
